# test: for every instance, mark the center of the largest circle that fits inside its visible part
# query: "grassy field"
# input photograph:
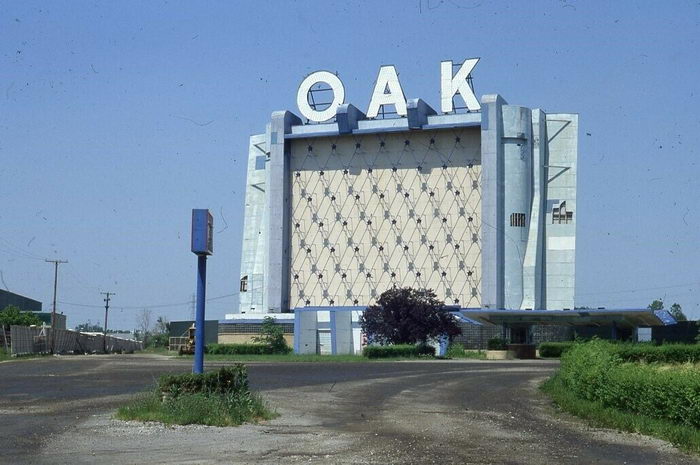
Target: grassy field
(684, 436)
(157, 350)
(467, 354)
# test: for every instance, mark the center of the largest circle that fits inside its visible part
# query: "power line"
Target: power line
(14, 254)
(640, 290)
(18, 251)
(138, 307)
(642, 297)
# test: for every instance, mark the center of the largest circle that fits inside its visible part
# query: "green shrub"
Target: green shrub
(398, 350)
(496, 343)
(158, 340)
(554, 349)
(243, 349)
(684, 436)
(227, 380)
(666, 353)
(425, 349)
(272, 335)
(455, 351)
(595, 371)
(12, 315)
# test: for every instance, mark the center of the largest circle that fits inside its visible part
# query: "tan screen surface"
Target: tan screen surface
(378, 210)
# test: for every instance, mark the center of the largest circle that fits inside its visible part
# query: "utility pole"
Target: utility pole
(192, 308)
(53, 311)
(107, 294)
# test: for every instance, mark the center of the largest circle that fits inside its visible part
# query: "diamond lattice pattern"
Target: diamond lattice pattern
(378, 210)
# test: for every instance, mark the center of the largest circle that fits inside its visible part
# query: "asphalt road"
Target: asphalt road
(59, 410)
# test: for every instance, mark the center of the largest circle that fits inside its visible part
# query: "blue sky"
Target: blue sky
(117, 118)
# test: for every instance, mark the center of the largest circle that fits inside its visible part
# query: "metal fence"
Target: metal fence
(37, 340)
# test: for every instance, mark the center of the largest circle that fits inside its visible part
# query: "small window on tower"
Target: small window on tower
(517, 220)
(260, 162)
(560, 215)
(244, 284)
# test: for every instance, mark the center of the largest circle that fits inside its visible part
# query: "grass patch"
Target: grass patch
(468, 354)
(201, 409)
(282, 358)
(685, 437)
(218, 398)
(459, 352)
(7, 357)
(156, 350)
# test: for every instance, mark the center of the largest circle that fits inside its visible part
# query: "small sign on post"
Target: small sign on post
(202, 232)
(202, 246)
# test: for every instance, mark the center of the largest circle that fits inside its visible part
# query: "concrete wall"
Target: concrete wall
(533, 265)
(341, 332)
(560, 249)
(370, 212)
(240, 329)
(340, 324)
(492, 282)
(305, 332)
(278, 209)
(254, 228)
(238, 338)
(529, 167)
(517, 198)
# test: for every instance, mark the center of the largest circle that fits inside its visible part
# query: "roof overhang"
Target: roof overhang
(631, 318)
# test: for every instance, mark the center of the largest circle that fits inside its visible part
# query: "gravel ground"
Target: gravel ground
(466, 412)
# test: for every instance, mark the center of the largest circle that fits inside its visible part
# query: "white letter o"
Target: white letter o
(336, 86)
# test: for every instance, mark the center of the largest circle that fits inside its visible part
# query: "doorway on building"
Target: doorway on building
(519, 335)
(323, 342)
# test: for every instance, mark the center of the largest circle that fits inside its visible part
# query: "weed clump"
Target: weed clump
(219, 398)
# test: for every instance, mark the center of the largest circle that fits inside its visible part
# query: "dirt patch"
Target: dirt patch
(466, 412)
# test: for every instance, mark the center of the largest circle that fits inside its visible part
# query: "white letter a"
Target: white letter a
(387, 91)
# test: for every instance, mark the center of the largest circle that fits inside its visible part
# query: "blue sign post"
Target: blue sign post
(202, 246)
